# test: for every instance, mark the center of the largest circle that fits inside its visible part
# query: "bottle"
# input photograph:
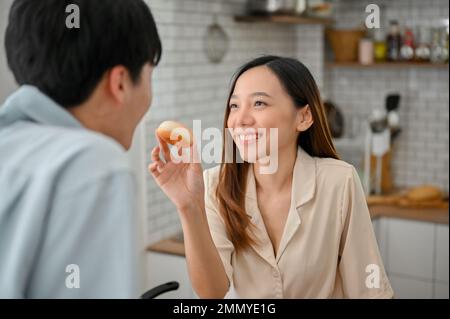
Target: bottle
(407, 49)
(444, 40)
(435, 48)
(422, 52)
(394, 42)
(379, 46)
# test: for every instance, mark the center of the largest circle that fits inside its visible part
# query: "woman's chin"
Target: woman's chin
(251, 155)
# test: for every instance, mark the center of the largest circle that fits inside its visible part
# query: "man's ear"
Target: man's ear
(116, 81)
(304, 118)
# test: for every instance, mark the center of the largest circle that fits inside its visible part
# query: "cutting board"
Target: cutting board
(398, 199)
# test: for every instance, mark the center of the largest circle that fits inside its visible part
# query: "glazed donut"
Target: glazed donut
(173, 132)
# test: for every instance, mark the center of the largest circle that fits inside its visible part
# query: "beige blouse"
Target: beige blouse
(328, 248)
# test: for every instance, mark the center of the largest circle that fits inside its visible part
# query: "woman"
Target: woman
(303, 231)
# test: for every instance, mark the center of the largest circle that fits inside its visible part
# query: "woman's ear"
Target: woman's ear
(304, 118)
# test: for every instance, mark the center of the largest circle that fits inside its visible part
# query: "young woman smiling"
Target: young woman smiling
(303, 231)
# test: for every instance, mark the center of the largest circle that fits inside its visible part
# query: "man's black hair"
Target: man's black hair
(67, 63)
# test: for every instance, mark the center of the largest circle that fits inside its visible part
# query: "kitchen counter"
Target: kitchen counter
(432, 215)
(175, 246)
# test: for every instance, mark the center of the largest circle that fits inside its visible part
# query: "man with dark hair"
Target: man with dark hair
(67, 192)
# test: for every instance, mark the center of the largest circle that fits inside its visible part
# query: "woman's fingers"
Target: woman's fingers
(155, 154)
(153, 169)
(157, 165)
(164, 147)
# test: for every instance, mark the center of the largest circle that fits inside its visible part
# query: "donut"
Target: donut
(173, 132)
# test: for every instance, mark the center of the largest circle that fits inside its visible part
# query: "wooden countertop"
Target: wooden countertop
(172, 246)
(175, 246)
(432, 215)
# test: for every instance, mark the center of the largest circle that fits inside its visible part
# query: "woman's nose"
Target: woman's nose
(244, 117)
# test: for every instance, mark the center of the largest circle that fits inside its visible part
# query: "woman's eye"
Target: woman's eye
(232, 106)
(260, 103)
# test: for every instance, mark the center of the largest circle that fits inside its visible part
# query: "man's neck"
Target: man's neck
(94, 120)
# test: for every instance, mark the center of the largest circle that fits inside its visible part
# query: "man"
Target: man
(67, 193)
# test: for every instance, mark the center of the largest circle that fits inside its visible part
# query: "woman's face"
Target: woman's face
(258, 104)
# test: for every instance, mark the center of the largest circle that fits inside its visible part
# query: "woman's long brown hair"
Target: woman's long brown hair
(316, 141)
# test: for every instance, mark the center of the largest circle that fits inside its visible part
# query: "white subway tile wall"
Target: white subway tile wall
(186, 86)
(421, 150)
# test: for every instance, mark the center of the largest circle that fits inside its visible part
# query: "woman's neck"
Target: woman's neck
(282, 178)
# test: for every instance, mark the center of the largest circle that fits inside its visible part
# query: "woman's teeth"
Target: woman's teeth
(248, 137)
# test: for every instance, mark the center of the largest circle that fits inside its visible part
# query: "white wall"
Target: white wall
(7, 83)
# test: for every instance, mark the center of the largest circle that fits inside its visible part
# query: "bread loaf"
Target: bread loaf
(424, 193)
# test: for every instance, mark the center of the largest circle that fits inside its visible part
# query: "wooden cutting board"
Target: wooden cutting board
(401, 201)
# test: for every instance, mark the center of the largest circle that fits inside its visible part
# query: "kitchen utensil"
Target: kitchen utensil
(216, 42)
(386, 171)
(301, 7)
(320, 8)
(377, 144)
(392, 105)
(392, 102)
(271, 6)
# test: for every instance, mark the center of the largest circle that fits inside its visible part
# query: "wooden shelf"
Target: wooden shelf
(395, 65)
(286, 19)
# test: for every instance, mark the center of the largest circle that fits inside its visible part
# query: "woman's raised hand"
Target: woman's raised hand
(180, 180)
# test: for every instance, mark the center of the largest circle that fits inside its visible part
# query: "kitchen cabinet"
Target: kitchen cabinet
(411, 288)
(415, 255)
(162, 268)
(410, 248)
(441, 290)
(442, 269)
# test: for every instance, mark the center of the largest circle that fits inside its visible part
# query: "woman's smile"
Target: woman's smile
(247, 136)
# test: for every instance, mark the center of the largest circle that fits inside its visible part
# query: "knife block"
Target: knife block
(386, 173)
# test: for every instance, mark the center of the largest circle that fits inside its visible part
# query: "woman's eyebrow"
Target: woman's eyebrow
(234, 96)
(260, 94)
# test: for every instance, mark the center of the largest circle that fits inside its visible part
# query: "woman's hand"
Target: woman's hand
(181, 181)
